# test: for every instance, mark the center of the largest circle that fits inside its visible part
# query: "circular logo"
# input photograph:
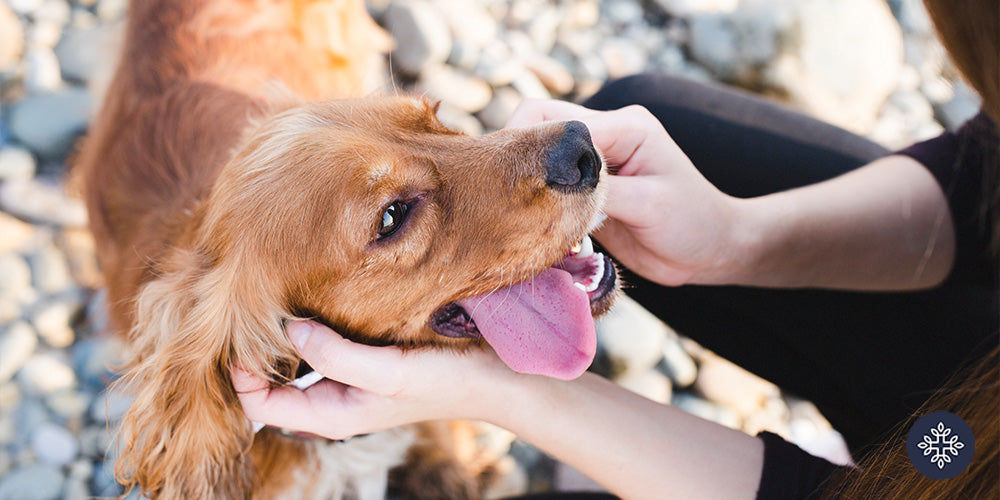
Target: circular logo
(940, 445)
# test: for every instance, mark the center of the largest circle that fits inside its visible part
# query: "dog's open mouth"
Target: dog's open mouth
(543, 325)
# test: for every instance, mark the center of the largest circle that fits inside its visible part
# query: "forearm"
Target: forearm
(885, 226)
(635, 447)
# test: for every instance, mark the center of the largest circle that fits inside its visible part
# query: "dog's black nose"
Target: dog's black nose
(573, 164)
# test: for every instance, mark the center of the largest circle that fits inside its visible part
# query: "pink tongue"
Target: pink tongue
(541, 326)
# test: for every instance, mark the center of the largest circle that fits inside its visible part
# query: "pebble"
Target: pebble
(465, 92)
(49, 123)
(495, 115)
(17, 343)
(676, 363)
(651, 385)
(706, 409)
(16, 164)
(428, 39)
(46, 373)
(49, 270)
(52, 322)
(110, 406)
(54, 445)
(725, 383)
(42, 201)
(32, 482)
(631, 339)
(553, 74)
(42, 74)
(498, 53)
(11, 38)
(77, 57)
(69, 404)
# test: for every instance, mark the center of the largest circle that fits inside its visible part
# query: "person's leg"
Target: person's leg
(865, 359)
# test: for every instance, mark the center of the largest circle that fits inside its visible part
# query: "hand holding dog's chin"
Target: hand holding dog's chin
(368, 389)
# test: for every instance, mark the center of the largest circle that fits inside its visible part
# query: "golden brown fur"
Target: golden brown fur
(227, 196)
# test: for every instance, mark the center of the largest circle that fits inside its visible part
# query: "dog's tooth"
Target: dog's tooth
(580, 286)
(586, 247)
(595, 279)
(575, 249)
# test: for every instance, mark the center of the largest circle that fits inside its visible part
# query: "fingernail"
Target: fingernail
(299, 332)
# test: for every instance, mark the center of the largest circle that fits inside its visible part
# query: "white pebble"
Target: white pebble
(54, 445)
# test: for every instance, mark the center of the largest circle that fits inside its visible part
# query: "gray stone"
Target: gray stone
(622, 11)
(17, 343)
(24, 7)
(16, 164)
(460, 120)
(110, 406)
(10, 396)
(963, 105)
(554, 75)
(677, 364)
(49, 270)
(53, 11)
(17, 236)
(111, 10)
(469, 22)
(422, 34)
(76, 489)
(42, 72)
(104, 481)
(651, 385)
(32, 482)
(46, 373)
(49, 123)
(725, 383)
(530, 87)
(839, 60)
(630, 338)
(68, 404)
(95, 440)
(54, 445)
(495, 115)
(622, 58)
(42, 201)
(467, 93)
(82, 52)
(6, 462)
(43, 34)
(684, 8)
(705, 409)
(16, 275)
(581, 14)
(11, 38)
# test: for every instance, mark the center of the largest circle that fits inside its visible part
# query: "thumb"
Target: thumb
(375, 369)
(630, 200)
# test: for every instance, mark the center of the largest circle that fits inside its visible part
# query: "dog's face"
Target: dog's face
(372, 217)
(376, 219)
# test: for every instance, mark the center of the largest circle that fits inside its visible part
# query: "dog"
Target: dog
(237, 177)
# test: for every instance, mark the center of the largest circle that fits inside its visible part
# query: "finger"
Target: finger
(323, 409)
(630, 200)
(375, 369)
(620, 134)
(535, 111)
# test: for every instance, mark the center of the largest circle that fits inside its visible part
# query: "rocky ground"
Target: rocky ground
(872, 66)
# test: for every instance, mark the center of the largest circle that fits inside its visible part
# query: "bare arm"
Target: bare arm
(885, 226)
(635, 447)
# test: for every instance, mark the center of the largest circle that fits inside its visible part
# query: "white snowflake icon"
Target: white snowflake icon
(940, 445)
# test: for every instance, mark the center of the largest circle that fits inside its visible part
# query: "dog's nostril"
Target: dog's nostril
(573, 162)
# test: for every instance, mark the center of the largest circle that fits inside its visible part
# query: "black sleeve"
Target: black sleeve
(964, 163)
(789, 472)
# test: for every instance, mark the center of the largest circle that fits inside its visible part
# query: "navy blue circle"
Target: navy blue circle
(940, 445)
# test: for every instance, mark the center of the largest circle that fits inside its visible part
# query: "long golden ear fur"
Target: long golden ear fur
(185, 435)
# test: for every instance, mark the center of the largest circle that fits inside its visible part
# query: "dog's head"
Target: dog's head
(370, 216)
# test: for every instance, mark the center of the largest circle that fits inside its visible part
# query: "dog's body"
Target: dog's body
(224, 201)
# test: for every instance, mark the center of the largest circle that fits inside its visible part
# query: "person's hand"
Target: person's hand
(666, 221)
(372, 388)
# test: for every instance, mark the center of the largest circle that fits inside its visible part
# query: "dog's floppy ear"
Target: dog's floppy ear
(185, 435)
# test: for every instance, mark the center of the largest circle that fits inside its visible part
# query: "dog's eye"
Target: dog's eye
(392, 218)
